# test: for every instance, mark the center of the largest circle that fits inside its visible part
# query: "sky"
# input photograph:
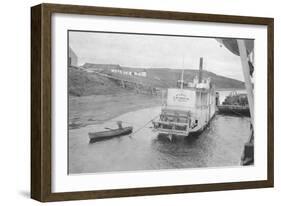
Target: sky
(154, 51)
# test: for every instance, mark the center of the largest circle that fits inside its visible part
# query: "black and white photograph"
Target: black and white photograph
(139, 102)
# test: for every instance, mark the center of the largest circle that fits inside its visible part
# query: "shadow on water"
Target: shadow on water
(177, 145)
(220, 144)
(196, 150)
(177, 139)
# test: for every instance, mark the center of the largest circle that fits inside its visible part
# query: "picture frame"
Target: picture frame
(41, 101)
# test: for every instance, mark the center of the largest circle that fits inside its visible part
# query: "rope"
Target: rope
(144, 125)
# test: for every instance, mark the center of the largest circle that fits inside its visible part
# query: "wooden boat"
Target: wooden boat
(235, 110)
(235, 104)
(98, 136)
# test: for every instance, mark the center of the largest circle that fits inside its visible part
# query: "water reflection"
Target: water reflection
(221, 144)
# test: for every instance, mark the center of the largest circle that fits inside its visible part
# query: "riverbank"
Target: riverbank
(96, 109)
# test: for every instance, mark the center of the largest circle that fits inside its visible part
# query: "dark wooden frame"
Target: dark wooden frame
(41, 101)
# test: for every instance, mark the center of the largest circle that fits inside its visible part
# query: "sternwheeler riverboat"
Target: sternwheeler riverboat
(188, 109)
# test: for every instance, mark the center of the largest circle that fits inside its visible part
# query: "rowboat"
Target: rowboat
(98, 136)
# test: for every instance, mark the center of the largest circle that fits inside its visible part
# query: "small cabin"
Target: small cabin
(141, 73)
(130, 72)
(117, 70)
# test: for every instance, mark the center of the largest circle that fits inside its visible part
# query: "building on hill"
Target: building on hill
(130, 71)
(72, 58)
(101, 67)
(140, 72)
(117, 70)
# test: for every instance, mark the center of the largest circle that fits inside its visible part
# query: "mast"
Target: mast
(200, 70)
(182, 78)
(182, 73)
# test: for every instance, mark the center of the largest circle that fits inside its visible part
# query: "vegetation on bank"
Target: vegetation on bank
(82, 83)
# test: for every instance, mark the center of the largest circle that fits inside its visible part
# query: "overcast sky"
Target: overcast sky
(155, 51)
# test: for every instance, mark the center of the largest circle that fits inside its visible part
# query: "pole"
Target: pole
(247, 78)
(182, 78)
(200, 69)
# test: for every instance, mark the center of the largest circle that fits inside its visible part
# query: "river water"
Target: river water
(220, 145)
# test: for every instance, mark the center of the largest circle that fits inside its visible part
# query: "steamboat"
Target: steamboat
(187, 109)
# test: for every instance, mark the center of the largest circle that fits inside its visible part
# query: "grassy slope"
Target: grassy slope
(172, 75)
(81, 83)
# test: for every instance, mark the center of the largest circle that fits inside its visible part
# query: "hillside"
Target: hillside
(82, 83)
(170, 76)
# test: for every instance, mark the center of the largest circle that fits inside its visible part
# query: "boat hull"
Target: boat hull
(234, 110)
(170, 133)
(99, 136)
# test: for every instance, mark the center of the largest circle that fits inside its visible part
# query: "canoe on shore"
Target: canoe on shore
(98, 136)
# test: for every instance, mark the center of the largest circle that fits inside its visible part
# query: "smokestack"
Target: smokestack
(200, 69)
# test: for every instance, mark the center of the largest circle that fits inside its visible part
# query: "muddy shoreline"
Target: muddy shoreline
(96, 109)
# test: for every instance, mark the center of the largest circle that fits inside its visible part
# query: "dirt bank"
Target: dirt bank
(96, 109)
